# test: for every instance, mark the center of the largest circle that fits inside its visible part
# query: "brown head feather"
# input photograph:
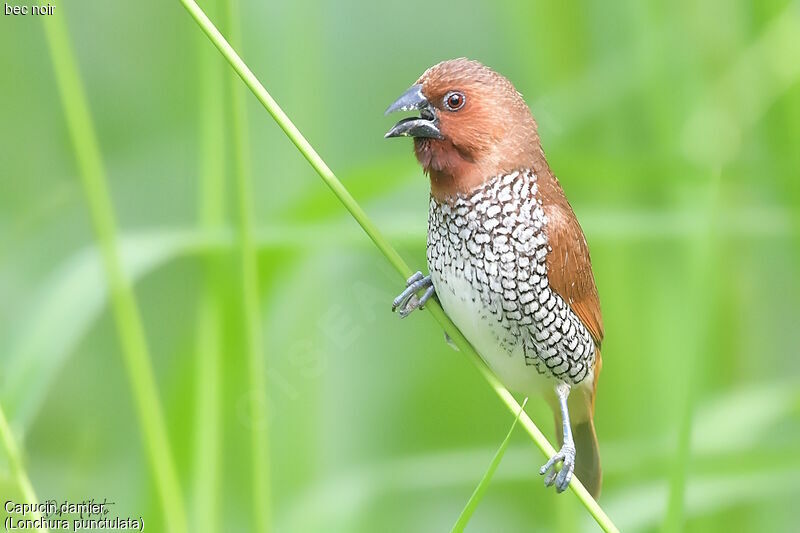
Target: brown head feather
(493, 133)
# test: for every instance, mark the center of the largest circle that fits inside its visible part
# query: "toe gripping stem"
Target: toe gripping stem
(408, 301)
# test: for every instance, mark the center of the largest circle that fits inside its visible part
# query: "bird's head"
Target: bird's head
(472, 125)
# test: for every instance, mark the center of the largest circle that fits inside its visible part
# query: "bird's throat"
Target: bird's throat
(451, 171)
(446, 185)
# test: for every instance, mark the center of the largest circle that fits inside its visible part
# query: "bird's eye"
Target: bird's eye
(454, 101)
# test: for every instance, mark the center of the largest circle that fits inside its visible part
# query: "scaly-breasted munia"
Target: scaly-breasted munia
(507, 257)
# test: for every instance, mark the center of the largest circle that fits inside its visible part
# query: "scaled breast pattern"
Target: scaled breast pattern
(495, 238)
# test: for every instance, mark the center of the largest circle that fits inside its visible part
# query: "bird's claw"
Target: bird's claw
(561, 477)
(408, 301)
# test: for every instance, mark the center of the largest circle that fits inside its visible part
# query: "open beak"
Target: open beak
(425, 125)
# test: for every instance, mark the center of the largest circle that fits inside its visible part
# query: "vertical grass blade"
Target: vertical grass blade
(208, 381)
(126, 311)
(17, 468)
(383, 245)
(699, 282)
(208, 441)
(483, 486)
(251, 293)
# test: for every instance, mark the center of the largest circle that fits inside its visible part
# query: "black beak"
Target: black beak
(426, 125)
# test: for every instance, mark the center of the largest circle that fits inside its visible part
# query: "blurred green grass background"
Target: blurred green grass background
(673, 128)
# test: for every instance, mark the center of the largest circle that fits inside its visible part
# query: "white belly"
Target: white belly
(456, 297)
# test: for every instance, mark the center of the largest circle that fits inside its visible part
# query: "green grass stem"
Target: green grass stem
(17, 467)
(208, 382)
(700, 278)
(126, 312)
(383, 245)
(483, 486)
(251, 293)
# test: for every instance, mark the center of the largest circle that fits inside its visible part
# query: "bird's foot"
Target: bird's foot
(563, 476)
(408, 301)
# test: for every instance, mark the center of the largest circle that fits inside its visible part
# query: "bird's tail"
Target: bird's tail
(587, 453)
(587, 457)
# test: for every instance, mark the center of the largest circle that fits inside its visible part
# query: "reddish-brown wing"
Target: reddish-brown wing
(569, 267)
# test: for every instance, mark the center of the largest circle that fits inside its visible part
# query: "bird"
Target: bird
(507, 258)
